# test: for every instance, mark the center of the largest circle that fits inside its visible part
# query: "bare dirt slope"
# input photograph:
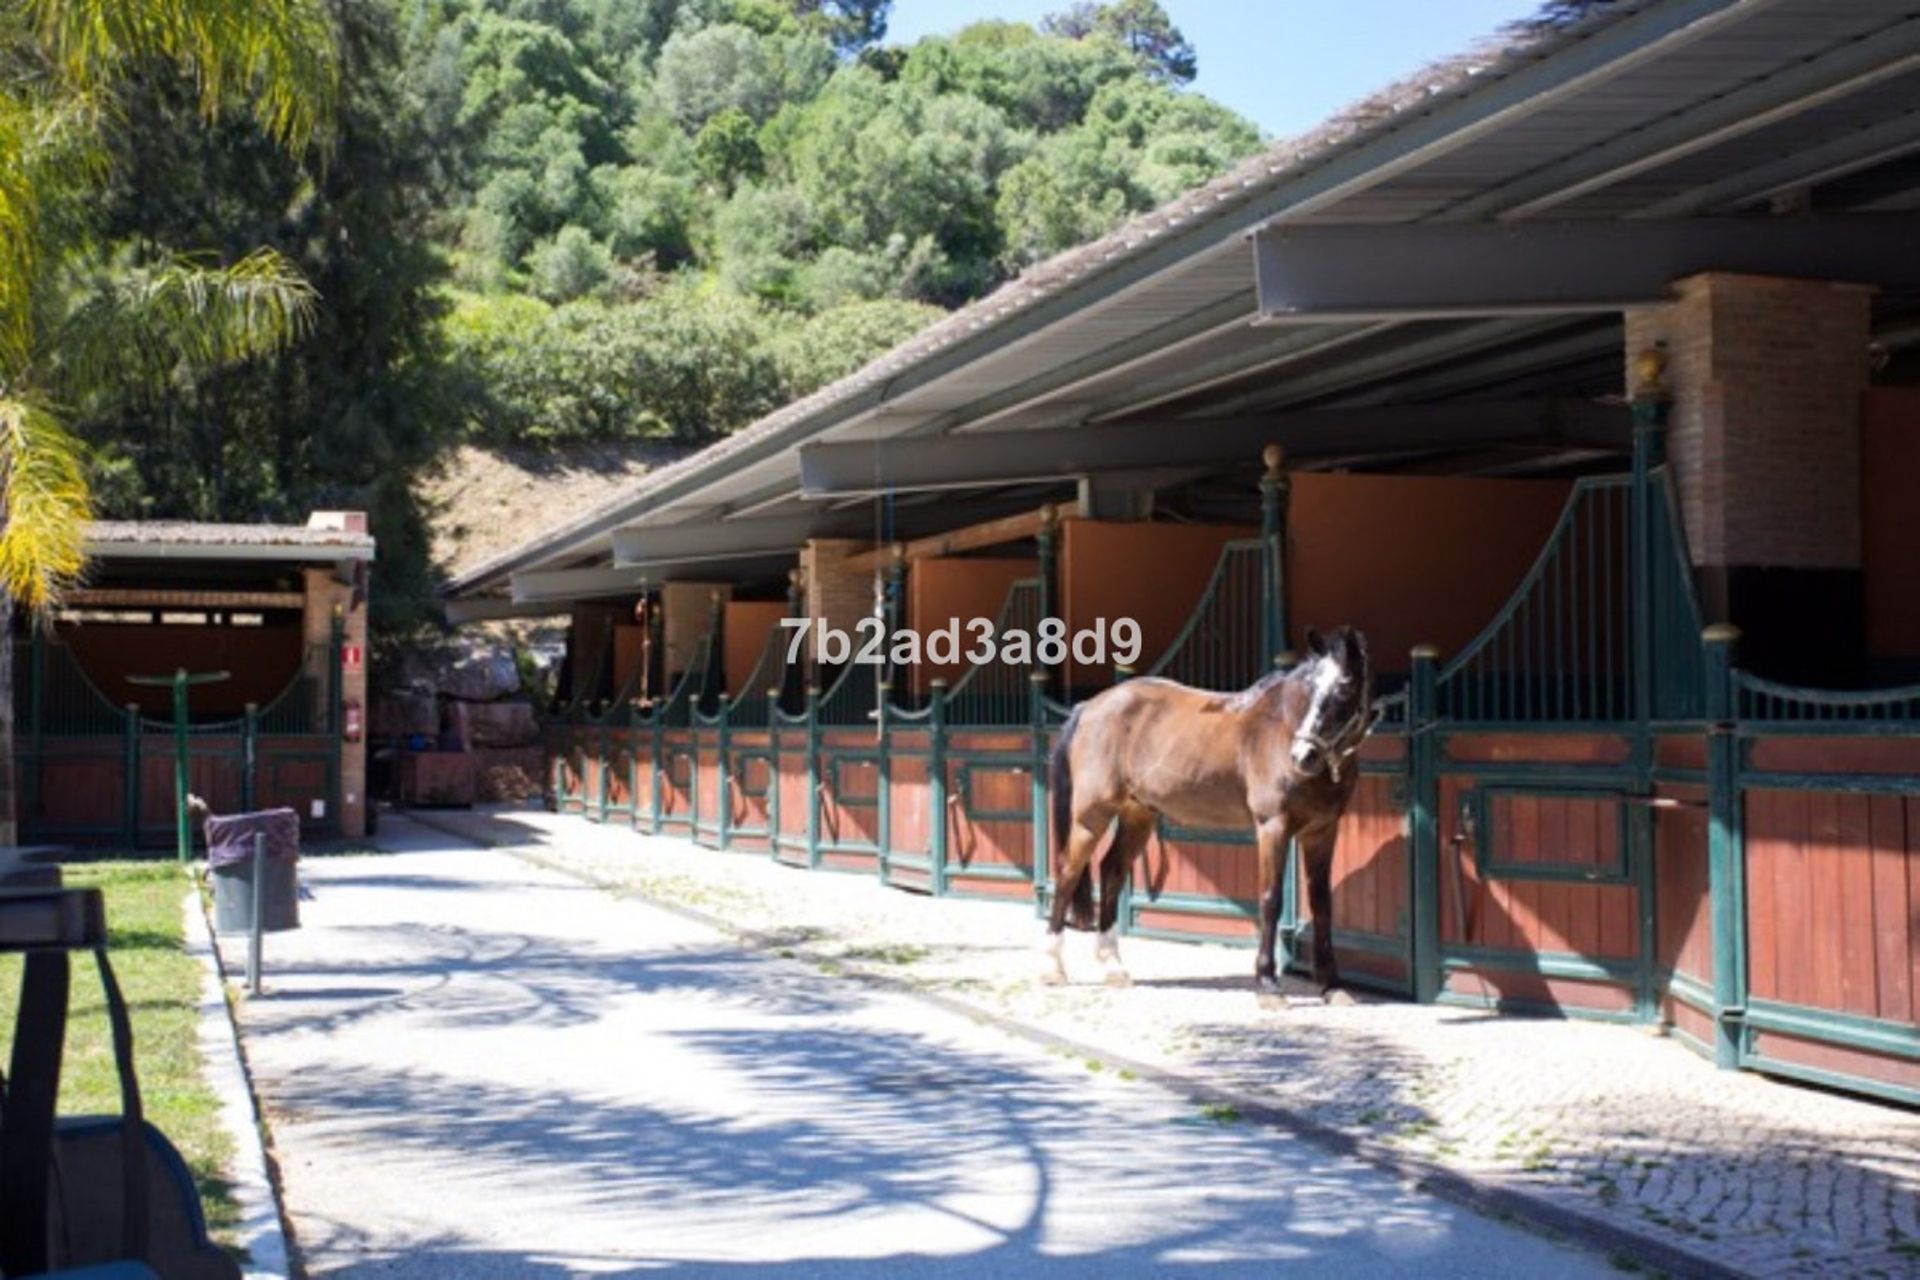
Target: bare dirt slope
(485, 501)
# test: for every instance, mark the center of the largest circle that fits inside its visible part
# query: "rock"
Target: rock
(401, 715)
(502, 724)
(480, 677)
(512, 774)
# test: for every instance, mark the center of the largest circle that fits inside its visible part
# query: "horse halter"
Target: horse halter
(1337, 749)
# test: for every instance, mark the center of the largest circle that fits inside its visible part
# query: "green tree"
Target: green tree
(836, 342)
(348, 412)
(571, 265)
(1141, 27)
(64, 330)
(728, 149)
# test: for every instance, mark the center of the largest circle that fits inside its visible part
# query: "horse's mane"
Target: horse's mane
(1259, 689)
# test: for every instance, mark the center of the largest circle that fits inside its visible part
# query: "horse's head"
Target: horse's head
(1339, 702)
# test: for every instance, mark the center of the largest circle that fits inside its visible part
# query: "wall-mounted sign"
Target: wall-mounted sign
(350, 657)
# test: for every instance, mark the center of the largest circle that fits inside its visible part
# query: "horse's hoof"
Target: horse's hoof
(1053, 978)
(1336, 996)
(1271, 1000)
(1119, 978)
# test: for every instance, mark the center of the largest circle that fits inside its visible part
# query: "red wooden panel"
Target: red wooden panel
(1821, 926)
(1913, 903)
(83, 790)
(1839, 1059)
(1763, 858)
(1680, 751)
(1854, 956)
(1893, 925)
(975, 841)
(293, 784)
(1684, 940)
(1538, 748)
(1829, 754)
(1227, 927)
(1532, 988)
(910, 800)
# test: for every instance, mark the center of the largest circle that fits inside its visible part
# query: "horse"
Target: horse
(1277, 756)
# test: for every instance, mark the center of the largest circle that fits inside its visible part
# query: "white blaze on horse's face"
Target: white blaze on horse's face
(1327, 678)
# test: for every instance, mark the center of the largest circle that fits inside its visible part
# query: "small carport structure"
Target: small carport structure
(1586, 353)
(280, 609)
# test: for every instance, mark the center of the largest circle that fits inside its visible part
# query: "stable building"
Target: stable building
(1581, 372)
(269, 623)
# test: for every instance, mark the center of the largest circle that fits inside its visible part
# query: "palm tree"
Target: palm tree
(77, 315)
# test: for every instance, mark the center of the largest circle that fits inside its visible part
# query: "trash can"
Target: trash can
(230, 857)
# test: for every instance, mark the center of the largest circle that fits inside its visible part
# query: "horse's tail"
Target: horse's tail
(1080, 912)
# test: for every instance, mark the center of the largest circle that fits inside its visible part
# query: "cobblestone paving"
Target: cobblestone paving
(1759, 1176)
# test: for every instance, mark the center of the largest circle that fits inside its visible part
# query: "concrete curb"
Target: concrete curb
(1480, 1195)
(259, 1232)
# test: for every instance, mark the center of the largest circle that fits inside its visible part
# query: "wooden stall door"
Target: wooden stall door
(849, 799)
(707, 791)
(905, 833)
(678, 780)
(1543, 859)
(1833, 911)
(750, 790)
(990, 837)
(797, 796)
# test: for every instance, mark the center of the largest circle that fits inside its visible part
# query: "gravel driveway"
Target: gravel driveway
(475, 1066)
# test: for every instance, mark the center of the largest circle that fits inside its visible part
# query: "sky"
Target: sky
(1284, 64)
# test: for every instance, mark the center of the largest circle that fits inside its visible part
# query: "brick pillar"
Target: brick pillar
(1766, 376)
(327, 597)
(835, 590)
(687, 613)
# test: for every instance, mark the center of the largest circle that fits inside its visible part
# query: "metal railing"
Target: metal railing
(1219, 647)
(998, 692)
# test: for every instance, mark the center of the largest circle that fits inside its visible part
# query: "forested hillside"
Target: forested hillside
(558, 222)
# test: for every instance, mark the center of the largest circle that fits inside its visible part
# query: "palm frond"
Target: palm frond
(43, 489)
(281, 53)
(54, 159)
(142, 324)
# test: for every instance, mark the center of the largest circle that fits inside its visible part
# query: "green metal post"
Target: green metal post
(773, 773)
(249, 754)
(181, 764)
(813, 776)
(883, 781)
(1649, 420)
(1048, 541)
(1423, 820)
(658, 757)
(131, 785)
(937, 786)
(1726, 851)
(723, 775)
(1037, 787)
(892, 598)
(603, 795)
(336, 638)
(1273, 553)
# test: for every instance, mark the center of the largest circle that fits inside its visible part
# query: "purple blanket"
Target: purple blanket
(230, 837)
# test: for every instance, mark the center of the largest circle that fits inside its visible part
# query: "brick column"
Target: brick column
(835, 590)
(327, 597)
(1766, 376)
(687, 613)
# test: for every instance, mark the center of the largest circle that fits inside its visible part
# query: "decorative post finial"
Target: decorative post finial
(1650, 372)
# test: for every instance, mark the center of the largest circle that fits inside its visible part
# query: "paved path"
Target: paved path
(473, 1067)
(1632, 1132)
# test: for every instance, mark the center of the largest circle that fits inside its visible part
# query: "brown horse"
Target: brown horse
(1278, 756)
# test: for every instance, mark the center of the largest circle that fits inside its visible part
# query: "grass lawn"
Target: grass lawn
(162, 986)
